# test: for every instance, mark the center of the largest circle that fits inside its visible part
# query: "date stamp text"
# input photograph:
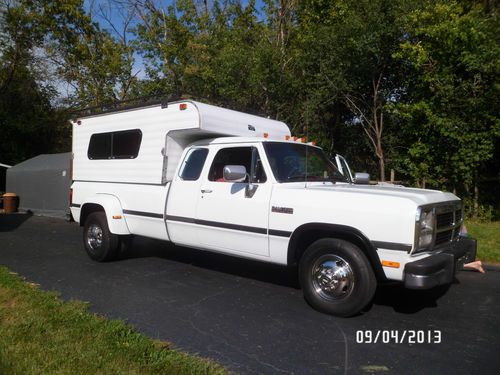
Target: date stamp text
(389, 336)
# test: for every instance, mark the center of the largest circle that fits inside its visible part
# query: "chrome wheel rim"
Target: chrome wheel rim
(332, 277)
(94, 237)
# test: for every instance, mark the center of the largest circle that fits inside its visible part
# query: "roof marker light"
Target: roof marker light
(295, 138)
(287, 137)
(266, 135)
(183, 106)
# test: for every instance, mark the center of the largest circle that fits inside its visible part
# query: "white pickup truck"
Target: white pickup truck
(225, 181)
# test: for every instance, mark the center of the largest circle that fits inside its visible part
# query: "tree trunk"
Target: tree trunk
(378, 125)
(379, 151)
(476, 196)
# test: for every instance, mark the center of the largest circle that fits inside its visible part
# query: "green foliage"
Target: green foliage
(95, 65)
(45, 45)
(410, 85)
(28, 123)
(479, 213)
(452, 59)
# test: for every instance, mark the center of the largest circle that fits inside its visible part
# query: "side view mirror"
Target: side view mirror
(362, 178)
(234, 173)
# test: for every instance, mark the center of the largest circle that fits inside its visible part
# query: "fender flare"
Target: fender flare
(112, 207)
(345, 232)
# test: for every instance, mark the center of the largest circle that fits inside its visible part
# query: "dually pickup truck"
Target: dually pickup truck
(230, 182)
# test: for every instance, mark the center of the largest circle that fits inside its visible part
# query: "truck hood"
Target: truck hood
(418, 196)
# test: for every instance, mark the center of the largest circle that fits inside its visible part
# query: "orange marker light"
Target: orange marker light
(287, 137)
(388, 263)
(183, 106)
(266, 135)
(117, 216)
(303, 139)
(295, 138)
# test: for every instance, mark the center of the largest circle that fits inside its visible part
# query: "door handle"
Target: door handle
(206, 191)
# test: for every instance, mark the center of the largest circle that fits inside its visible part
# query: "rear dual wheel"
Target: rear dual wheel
(336, 277)
(100, 244)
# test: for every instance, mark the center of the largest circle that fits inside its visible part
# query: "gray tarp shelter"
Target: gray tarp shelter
(42, 184)
(3, 173)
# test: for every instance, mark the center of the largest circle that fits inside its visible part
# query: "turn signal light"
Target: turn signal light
(388, 263)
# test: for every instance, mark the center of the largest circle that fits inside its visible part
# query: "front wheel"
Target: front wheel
(101, 245)
(336, 277)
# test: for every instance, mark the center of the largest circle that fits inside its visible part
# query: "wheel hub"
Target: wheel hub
(94, 236)
(332, 277)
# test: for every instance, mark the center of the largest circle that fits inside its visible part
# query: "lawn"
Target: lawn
(41, 334)
(488, 240)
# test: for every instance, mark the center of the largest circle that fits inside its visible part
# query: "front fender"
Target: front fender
(113, 210)
(299, 241)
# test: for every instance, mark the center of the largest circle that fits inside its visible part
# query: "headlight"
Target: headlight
(426, 222)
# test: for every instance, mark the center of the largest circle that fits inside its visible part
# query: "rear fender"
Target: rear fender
(111, 206)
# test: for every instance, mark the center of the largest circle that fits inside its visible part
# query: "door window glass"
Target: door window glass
(193, 164)
(237, 156)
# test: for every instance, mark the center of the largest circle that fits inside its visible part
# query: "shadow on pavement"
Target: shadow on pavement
(402, 300)
(141, 247)
(9, 222)
(408, 301)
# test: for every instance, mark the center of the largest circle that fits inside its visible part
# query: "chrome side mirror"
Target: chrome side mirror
(234, 173)
(362, 178)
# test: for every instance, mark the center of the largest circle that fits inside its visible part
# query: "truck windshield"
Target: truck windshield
(288, 163)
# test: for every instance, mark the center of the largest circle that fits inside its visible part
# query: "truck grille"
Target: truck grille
(448, 222)
(444, 220)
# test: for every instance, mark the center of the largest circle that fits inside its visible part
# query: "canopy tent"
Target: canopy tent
(42, 184)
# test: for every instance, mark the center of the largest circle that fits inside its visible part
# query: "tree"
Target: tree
(451, 104)
(28, 123)
(348, 48)
(97, 66)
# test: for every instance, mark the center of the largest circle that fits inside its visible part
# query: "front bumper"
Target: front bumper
(440, 268)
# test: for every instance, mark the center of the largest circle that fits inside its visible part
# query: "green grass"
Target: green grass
(41, 334)
(488, 240)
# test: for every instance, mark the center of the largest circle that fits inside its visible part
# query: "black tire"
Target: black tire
(336, 277)
(101, 245)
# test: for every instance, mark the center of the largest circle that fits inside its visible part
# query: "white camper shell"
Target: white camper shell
(165, 130)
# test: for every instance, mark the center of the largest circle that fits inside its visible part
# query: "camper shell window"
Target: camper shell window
(115, 145)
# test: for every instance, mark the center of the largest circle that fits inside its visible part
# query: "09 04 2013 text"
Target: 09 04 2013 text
(398, 337)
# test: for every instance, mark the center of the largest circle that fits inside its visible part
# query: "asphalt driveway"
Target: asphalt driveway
(251, 317)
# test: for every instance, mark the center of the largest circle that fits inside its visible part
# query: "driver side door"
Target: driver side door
(229, 219)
